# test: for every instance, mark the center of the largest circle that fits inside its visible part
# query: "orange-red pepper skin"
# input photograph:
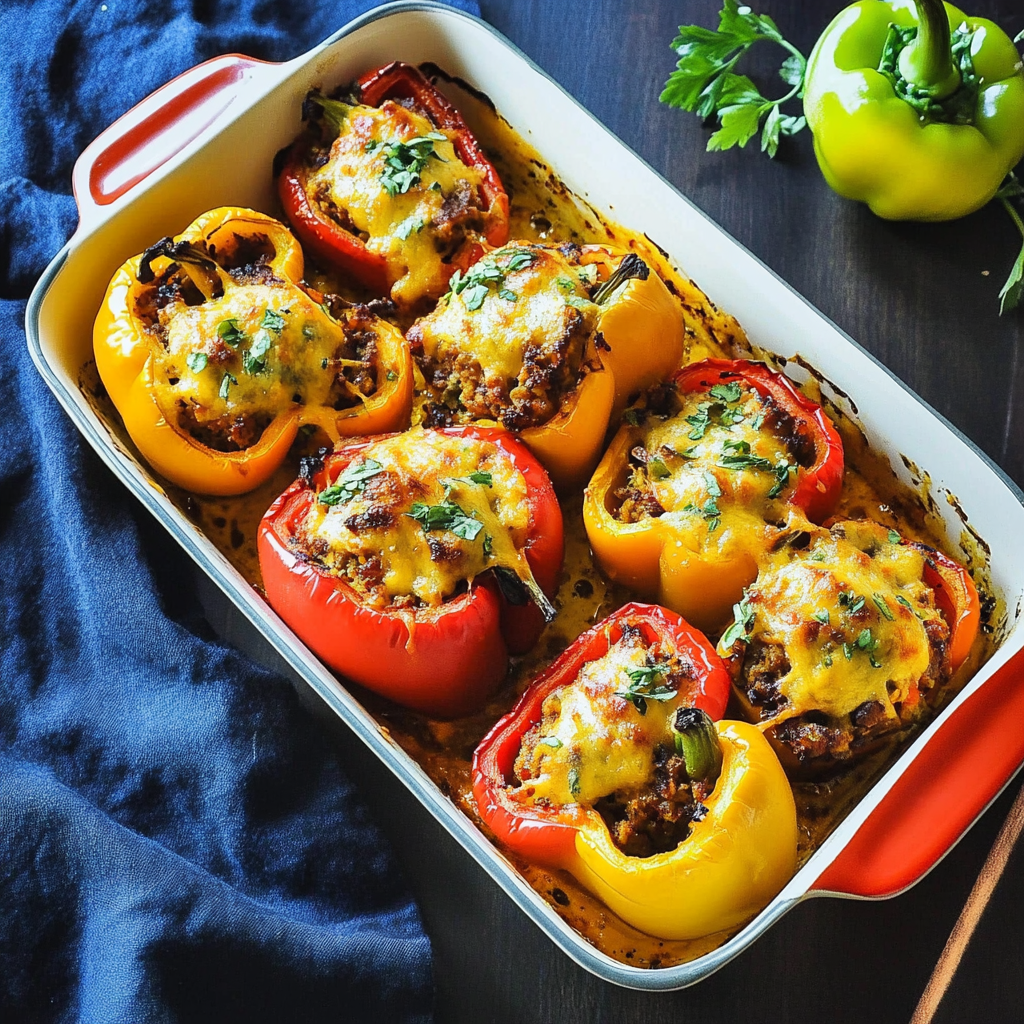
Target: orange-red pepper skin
(124, 359)
(957, 598)
(445, 661)
(340, 248)
(734, 861)
(650, 556)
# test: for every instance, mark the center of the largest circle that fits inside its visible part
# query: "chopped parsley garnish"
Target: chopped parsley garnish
(903, 601)
(827, 660)
(848, 651)
(726, 392)
(488, 545)
(351, 482)
(712, 485)
(644, 686)
(404, 161)
(577, 302)
(391, 375)
(822, 616)
(882, 607)
(737, 455)
(743, 623)
(272, 321)
(657, 469)
(710, 511)
(783, 471)
(700, 421)
(479, 476)
(254, 359)
(449, 515)
(551, 741)
(488, 273)
(226, 381)
(573, 779)
(849, 600)
(894, 537)
(408, 226)
(197, 361)
(230, 333)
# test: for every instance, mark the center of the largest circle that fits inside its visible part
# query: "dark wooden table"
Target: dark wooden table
(922, 298)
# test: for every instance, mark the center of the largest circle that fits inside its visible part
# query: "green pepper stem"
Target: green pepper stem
(696, 740)
(927, 62)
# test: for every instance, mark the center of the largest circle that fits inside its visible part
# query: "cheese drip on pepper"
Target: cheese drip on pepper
(850, 612)
(378, 538)
(401, 224)
(256, 349)
(592, 741)
(719, 471)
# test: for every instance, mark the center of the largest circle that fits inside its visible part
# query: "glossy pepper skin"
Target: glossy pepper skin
(124, 358)
(325, 237)
(734, 860)
(442, 661)
(957, 598)
(648, 556)
(874, 146)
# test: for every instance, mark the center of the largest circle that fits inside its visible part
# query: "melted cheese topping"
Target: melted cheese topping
(715, 505)
(352, 177)
(425, 468)
(292, 366)
(531, 310)
(861, 653)
(598, 742)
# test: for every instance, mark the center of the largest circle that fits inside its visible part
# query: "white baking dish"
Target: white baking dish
(208, 138)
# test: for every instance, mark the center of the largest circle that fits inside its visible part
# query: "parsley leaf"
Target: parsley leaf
(551, 741)
(894, 537)
(408, 226)
(822, 616)
(705, 83)
(573, 779)
(644, 686)
(1013, 289)
(657, 469)
(351, 482)
(230, 333)
(447, 516)
(742, 625)
(254, 360)
(272, 321)
(487, 273)
(196, 361)
(726, 392)
(883, 607)
(700, 421)
(226, 381)
(404, 161)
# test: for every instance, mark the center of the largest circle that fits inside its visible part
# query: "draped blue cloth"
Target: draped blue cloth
(177, 839)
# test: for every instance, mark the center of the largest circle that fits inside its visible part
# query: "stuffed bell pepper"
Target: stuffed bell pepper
(214, 354)
(612, 767)
(549, 341)
(847, 636)
(415, 563)
(698, 483)
(390, 185)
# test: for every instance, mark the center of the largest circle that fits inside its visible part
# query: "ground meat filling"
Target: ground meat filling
(529, 400)
(658, 819)
(817, 740)
(636, 500)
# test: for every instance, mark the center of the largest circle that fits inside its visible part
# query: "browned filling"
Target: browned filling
(360, 347)
(818, 741)
(461, 393)
(635, 500)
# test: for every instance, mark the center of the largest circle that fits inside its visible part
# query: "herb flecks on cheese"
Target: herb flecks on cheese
(415, 517)
(599, 734)
(399, 184)
(850, 612)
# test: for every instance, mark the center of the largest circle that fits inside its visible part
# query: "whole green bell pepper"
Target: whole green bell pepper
(916, 109)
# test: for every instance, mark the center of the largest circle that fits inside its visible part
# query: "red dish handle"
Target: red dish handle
(156, 129)
(965, 764)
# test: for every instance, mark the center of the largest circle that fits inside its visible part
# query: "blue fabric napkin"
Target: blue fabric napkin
(177, 839)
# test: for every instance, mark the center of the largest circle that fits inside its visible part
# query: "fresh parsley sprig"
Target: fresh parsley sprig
(644, 685)
(1013, 289)
(351, 482)
(704, 81)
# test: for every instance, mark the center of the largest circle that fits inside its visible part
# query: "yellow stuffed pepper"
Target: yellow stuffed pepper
(214, 354)
(611, 767)
(550, 342)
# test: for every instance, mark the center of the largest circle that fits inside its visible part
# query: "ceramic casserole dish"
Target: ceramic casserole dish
(176, 155)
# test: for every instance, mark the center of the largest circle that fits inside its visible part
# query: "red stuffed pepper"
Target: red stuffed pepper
(703, 479)
(408, 562)
(612, 767)
(391, 186)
